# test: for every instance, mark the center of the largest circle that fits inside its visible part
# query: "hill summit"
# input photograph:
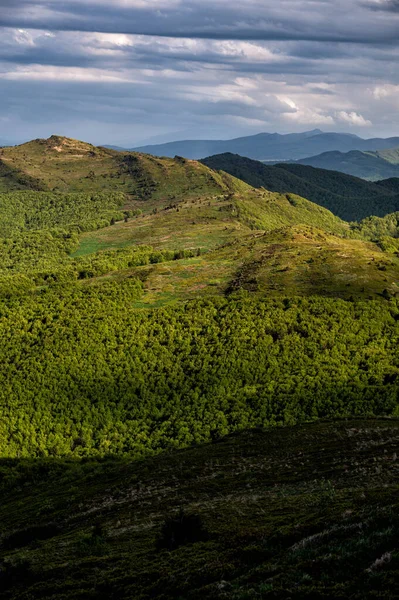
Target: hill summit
(60, 143)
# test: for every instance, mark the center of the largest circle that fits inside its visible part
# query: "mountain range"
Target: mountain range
(272, 146)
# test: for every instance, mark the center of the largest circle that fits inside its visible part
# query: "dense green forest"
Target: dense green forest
(131, 323)
(29, 211)
(348, 197)
(85, 373)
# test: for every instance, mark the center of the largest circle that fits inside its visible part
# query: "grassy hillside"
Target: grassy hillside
(304, 512)
(194, 248)
(306, 260)
(350, 198)
(209, 222)
(180, 245)
(15, 179)
(67, 165)
(54, 237)
(368, 165)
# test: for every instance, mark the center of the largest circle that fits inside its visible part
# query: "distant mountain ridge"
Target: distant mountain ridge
(272, 146)
(381, 164)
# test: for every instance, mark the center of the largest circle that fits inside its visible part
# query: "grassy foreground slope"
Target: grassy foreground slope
(298, 512)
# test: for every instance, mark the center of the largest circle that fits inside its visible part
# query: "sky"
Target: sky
(128, 72)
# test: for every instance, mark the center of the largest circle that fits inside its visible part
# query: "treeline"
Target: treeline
(374, 228)
(31, 210)
(39, 231)
(83, 372)
(42, 258)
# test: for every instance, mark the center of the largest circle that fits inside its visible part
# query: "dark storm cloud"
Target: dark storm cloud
(123, 70)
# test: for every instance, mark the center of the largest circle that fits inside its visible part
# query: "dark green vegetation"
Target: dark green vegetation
(299, 512)
(351, 198)
(150, 305)
(29, 211)
(272, 146)
(84, 373)
(369, 165)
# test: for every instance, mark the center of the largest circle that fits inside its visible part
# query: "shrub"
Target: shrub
(94, 543)
(29, 535)
(14, 572)
(180, 530)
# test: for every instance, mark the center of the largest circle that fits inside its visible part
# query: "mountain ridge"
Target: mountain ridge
(68, 165)
(373, 166)
(268, 146)
(349, 197)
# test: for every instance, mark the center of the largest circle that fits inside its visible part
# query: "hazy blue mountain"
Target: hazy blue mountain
(271, 146)
(110, 147)
(368, 165)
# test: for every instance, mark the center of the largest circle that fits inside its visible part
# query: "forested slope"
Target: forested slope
(85, 373)
(351, 198)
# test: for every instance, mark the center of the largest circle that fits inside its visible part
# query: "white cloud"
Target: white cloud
(309, 117)
(353, 118)
(71, 74)
(385, 91)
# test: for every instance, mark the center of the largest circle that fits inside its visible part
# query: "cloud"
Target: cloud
(210, 67)
(386, 91)
(353, 118)
(317, 20)
(383, 5)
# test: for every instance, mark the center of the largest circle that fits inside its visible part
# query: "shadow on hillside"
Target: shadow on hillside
(106, 527)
